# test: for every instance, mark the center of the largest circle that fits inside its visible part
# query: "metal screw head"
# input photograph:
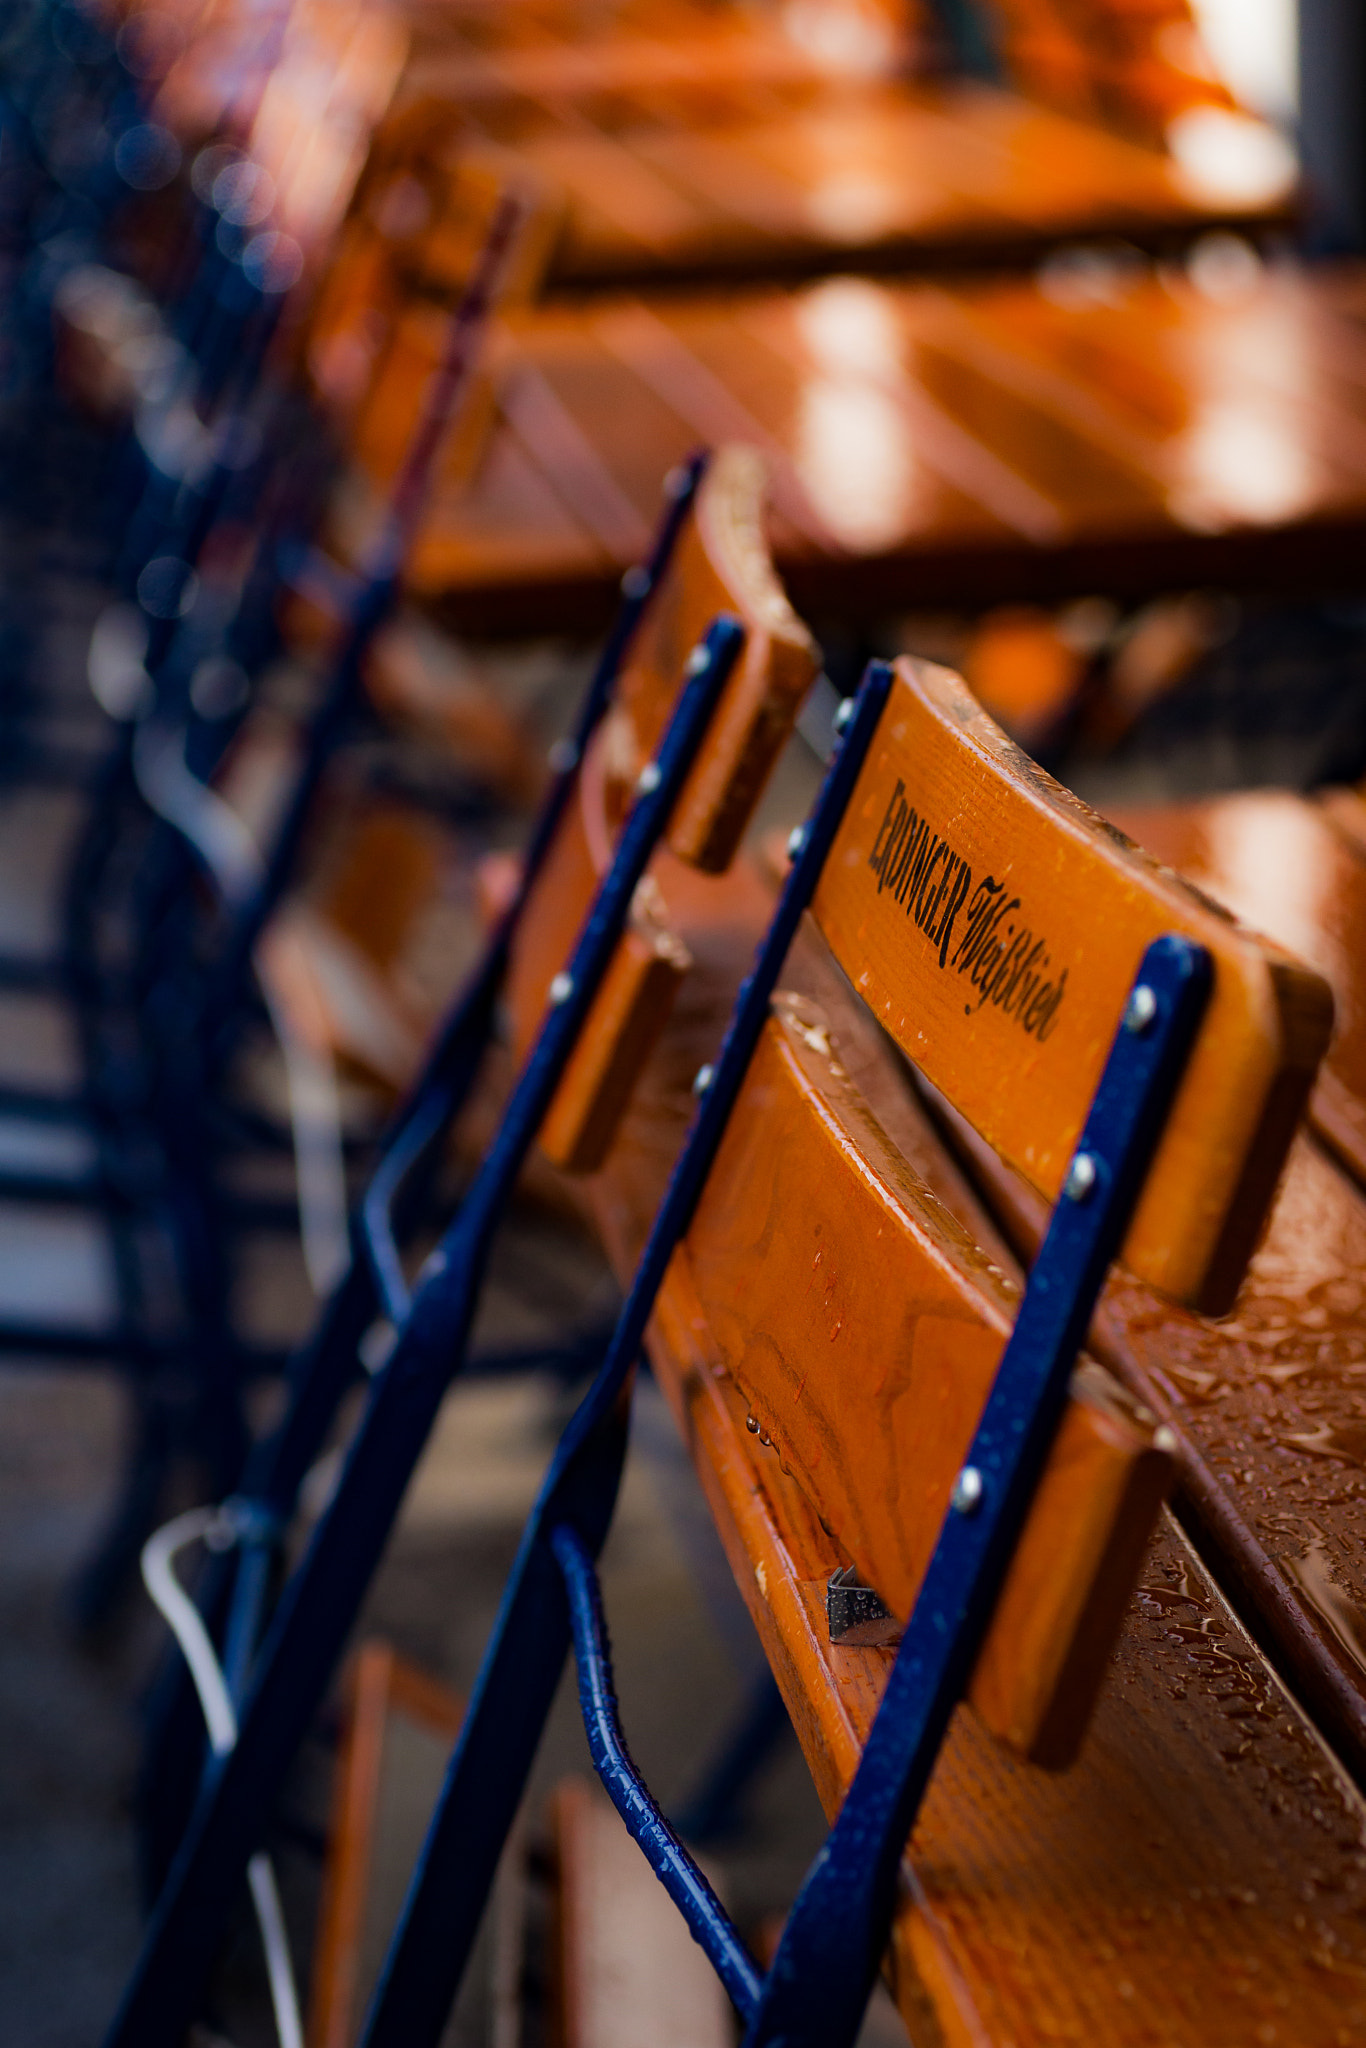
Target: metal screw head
(1140, 1009)
(696, 662)
(649, 779)
(703, 1078)
(968, 1489)
(563, 756)
(844, 714)
(796, 841)
(1081, 1177)
(636, 581)
(752, 1424)
(561, 988)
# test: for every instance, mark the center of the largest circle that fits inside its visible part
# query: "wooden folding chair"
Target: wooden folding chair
(404, 255)
(1142, 1061)
(698, 772)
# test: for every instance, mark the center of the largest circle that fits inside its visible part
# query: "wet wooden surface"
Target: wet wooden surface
(874, 175)
(863, 1329)
(1269, 1403)
(1280, 863)
(1198, 1877)
(1122, 430)
(995, 927)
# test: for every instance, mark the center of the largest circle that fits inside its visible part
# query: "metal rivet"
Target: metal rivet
(752, 1424)
(765, 1439)
(563, 756)
(844, 714)
(696, 662)
(967, 1493)
(796, 842)
(1081, 1178)
(561, 988)
(636, 581)
(649, 779)
(1166, 1439)
(1140, 1009)
(702, 1079)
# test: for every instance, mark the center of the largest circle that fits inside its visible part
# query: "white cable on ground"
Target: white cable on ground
(186, 1624)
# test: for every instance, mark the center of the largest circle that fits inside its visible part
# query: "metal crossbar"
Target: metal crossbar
(815, 1993)
(681, 1877)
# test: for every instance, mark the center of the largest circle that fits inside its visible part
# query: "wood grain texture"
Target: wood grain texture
(720, 566)
(995, 925)
(1179, 1885)
(864, 1328)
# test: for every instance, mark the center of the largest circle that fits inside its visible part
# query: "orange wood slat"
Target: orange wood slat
(812, 1231)
(1196, 1878)
(994, 925)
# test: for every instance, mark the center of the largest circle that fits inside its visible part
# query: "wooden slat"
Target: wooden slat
(994, 926)
(400, 1728)
(864, 1328)
(720, 565)
(871, 173)
(1180, 1883)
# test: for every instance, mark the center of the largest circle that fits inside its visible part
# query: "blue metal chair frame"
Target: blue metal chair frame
(320, 1600)
(235, 1587)
(815, 1993)
(157, 1035)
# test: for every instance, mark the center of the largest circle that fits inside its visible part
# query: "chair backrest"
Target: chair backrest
(1121, 1041)
(720, 564)
(404, 257)
(993, 924)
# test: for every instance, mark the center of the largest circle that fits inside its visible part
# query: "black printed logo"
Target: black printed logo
(973, 927)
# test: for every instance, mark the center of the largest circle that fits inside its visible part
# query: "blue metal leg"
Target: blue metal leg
(320, 1601)
(530, 1641)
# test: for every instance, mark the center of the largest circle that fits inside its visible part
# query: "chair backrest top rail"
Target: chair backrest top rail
(994, 923)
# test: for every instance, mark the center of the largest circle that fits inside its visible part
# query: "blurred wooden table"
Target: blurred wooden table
(880, 176)
(1114, 430)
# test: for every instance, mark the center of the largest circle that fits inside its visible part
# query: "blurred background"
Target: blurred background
(1048, 319)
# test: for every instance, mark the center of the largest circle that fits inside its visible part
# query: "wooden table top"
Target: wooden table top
(884, 175)
(1107, 429)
